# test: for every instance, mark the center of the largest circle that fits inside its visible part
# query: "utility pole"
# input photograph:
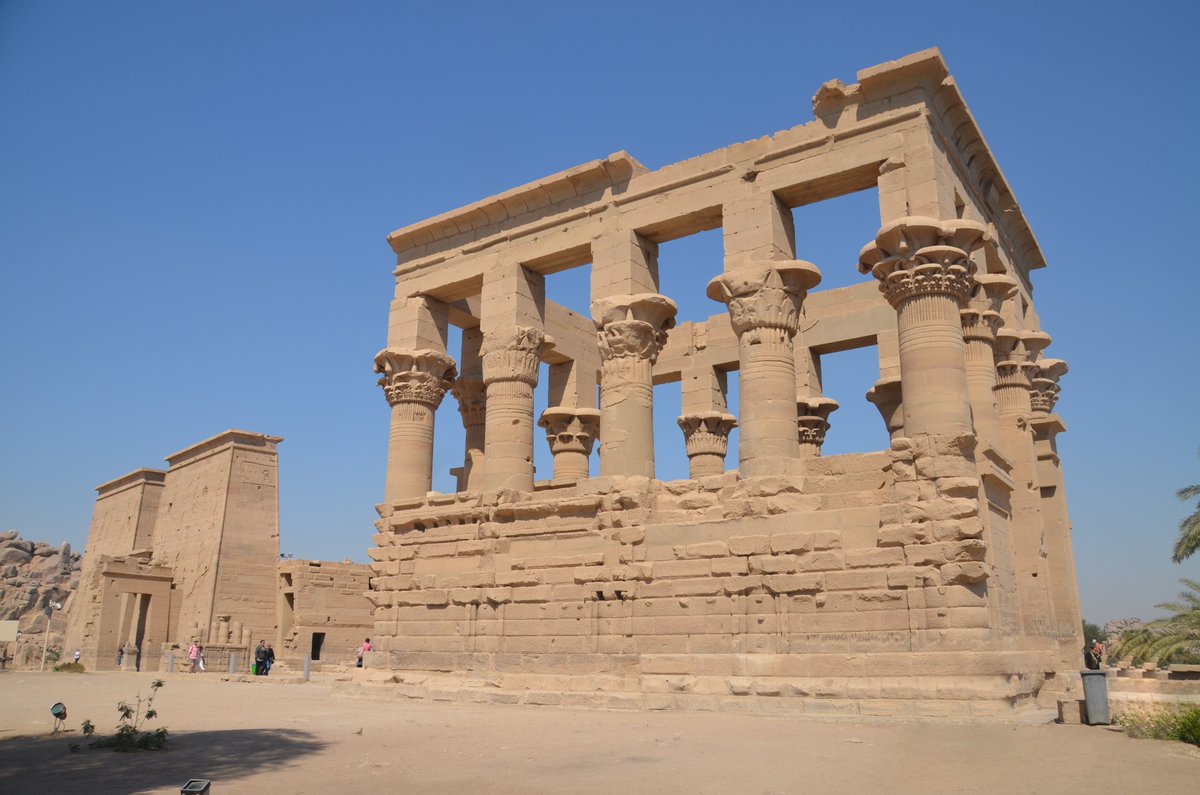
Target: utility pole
(50, 608)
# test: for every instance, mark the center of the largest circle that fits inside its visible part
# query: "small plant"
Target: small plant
(1162, 723)
(71, 667)
(130, 735)
(87, 728)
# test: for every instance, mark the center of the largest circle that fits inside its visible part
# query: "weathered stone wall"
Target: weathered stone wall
(326, 598)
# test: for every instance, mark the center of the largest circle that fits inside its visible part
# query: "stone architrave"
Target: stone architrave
(764, 301)
(706, 438)
(511, 356)
(1044, 388)
(925, 272)
(414, 382)
(632, 329)
(813, 423)
(981, 320)
(887, 396)
(571, 433)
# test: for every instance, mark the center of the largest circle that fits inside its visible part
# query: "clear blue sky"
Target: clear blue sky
(194, 200)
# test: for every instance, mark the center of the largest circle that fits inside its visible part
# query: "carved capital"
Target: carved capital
(887, 397)
(570, 430)
(1044, 388)
(707, 433)
(633, 325)
(923, 256)
(981, 318)
(513, 353)
(765, 297)
(813, 419)
(1016, 354)
(471, 394)
(414, 376)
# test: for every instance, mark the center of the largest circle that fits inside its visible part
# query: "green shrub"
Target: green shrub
(1189, 726)
(71, 667)
(1162, 723)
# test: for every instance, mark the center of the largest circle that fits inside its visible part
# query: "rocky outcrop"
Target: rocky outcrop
(34, 575)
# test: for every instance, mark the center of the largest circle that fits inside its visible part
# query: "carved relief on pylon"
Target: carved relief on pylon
(707, 433)
(414, 376)
(471, 395)
(570, 430)
(1043, 387)
(513, 353)
(633, 326)
(916, 256)
(765, 297)
(813, 419)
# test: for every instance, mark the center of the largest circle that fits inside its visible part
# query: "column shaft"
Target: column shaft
(631, 331)
(511, 357)
(925, 272)
(764, 302)
(414, 382)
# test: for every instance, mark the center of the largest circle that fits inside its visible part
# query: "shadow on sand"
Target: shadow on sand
(47, 765)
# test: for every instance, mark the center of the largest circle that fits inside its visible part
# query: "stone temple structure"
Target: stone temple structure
(935, 577)
(192, 554)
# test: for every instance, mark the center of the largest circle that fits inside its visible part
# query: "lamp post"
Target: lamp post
(50, 608)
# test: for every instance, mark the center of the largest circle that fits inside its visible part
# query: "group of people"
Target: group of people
(264, 658)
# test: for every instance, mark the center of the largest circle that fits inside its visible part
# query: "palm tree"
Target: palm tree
(1189, 528)
(1175, 635)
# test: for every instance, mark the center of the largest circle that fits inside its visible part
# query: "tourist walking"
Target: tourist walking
(270, 660)
(362, 650)
(260, 659)
(194, 656)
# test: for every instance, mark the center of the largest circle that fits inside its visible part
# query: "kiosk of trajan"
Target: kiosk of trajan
(934, 578)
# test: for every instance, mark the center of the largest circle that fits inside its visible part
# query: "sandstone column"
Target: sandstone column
(706, 437)
(1060, 556)
(1015, 367)
(632, 331)
(471, 395)
(764, 302)
(887, 397)
(414, 382)
(1015, 351)
(571, 433)
(980, 321)
(510, 372)
(924, 269)
(813, 423)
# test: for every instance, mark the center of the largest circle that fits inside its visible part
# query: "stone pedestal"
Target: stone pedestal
(414, 382)
(570, 433)
(887, 396)
(632, 331)
(510, 371)
(706, 438)
(925, 271)
(813, 423)
(764, 301)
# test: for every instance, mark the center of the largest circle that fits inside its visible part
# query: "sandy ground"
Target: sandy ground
(262, 736)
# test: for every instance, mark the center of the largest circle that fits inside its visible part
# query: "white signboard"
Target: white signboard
(8, 631)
